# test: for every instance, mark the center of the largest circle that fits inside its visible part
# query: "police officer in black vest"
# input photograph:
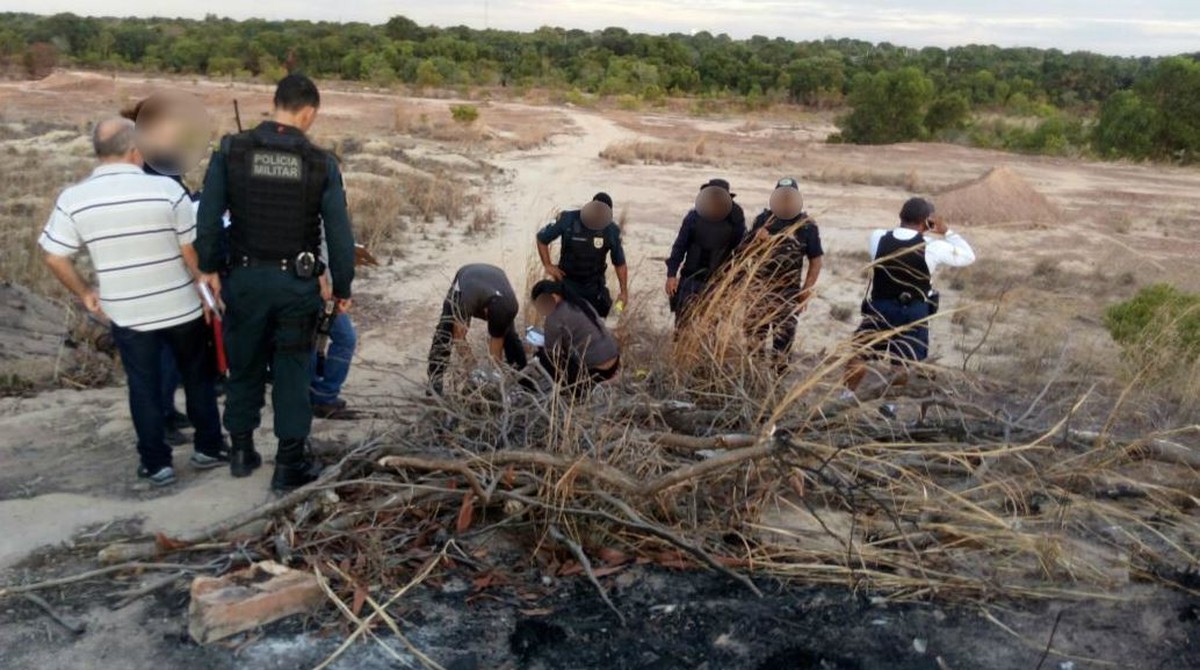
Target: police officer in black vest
(589, 237)
(281, 193)
(783, 285)
(710, 233)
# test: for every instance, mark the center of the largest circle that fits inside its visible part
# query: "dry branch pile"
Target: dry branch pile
(703, 458)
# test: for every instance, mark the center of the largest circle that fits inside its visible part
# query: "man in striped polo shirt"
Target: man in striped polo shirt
(138, 230)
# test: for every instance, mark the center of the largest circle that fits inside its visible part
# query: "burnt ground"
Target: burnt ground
(675, 620)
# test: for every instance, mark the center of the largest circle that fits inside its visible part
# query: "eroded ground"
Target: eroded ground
(432, 195)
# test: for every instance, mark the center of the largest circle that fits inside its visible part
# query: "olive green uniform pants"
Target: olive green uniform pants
(272, 317)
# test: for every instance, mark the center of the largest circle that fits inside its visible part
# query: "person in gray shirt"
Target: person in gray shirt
(579, 349)
(478, 292)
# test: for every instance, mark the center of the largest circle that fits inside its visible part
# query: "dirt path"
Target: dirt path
(68, 455)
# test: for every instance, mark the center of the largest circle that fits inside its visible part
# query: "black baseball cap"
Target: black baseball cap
(604, 198)
(788, 182)
(719, 183)
(916, 210)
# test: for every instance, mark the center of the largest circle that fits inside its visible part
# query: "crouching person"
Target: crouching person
(138, 230)
(478, 292)
(579, 351)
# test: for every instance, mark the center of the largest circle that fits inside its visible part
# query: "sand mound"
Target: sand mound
(76, 82)
(1000, 196)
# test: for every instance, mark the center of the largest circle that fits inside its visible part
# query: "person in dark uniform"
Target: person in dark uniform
(282, 194)
(710, 233)
(901, 299)
(579, 350)
(784, 288)
(478, 292)
(589, 237)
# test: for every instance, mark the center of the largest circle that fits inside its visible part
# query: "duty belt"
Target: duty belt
(292, 265)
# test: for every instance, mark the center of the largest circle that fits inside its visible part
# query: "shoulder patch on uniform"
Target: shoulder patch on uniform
(281, 165)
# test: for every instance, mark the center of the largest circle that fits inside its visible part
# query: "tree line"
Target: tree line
(1115, 106)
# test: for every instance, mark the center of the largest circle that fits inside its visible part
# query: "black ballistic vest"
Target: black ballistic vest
(901, 268)
(585, 251)
(788, 253)
(712, 244)
(276, 181)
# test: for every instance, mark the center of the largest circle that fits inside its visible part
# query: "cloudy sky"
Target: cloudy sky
(1144, 27)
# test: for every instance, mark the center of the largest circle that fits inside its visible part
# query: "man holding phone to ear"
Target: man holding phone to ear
(902, 298)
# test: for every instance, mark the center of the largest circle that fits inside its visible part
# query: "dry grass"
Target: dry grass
(703, 457)
(659, 153)
(909, 180)
(440, 127)
(36, 169)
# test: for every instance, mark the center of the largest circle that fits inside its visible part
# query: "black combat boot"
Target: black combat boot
(294, 466)
(243, 459)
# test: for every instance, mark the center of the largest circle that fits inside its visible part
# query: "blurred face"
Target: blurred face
(786, 203)
(546, 303)
(714, 203)
(172, 132)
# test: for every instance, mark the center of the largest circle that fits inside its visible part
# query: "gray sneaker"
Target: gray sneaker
(207, 461)
(164, 476)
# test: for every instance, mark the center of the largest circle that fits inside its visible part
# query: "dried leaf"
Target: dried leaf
(541, 611)
(570, 569)
(360, 597)
(613, 556)
(168, 543)
(466, 514)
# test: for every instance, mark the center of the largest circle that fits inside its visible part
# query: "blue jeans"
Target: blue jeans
(343, 340)
(142, 358)
(909, 342)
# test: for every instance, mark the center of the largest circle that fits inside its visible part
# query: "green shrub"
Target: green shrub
(1159, 317)
(465, 114)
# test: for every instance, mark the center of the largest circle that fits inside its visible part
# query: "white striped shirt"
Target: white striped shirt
(132, 225)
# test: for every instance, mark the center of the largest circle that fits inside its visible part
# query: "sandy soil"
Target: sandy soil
(68, 456)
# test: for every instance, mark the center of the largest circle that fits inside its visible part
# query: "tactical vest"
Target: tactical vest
(585, 251)
(275, 183)
(712, 244)
(900, 267)
(788, 253)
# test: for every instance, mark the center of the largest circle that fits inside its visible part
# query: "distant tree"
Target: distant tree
(402, 28)
(889, 106)
(1127, 128)
(950, 111)
(1173, 89)
(428, 74)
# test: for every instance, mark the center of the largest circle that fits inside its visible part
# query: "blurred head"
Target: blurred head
(604, 198)
(172, 131)
(719, 183)
(916, 212)
(786, 202)
(546, 296)
(297, 101)
(113, 140)
(596, 215)
(714, 203)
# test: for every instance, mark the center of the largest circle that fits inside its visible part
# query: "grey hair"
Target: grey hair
(113, 137)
